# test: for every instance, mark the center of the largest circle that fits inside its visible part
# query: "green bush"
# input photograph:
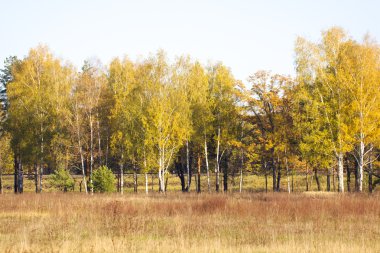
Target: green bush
(103, 180)
(62, 180)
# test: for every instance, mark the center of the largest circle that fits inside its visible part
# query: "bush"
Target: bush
(62, 180)
(103, 180)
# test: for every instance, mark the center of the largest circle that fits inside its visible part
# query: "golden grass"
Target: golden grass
(177, 222)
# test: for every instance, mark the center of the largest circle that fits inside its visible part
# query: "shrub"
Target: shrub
(103, 180)
(62, 180)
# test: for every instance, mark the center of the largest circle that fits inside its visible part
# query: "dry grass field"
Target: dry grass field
(177, 222)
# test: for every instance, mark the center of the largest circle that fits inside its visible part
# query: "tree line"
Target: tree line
(153, 115)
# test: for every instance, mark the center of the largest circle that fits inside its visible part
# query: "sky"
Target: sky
(246, 36)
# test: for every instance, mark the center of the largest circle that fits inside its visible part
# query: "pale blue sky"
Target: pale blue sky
(245, 35)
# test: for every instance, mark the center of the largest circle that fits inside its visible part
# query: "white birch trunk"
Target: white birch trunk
(80, 149)
(361, 164)
(340, 173)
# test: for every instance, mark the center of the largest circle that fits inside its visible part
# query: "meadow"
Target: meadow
(190, 222)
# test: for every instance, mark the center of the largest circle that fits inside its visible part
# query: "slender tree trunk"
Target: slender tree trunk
(333, 179)
(225, 176)
(121, 166)
(361, 163)
(42, 157)
(1, 180)
(166, 183)
(241, 171)
(274, 172)
(135, 181)
(146, 183)
(287, 173)
(20, 186)
(91, 152)
(356, 175)
(307, 179)
(328, 181)
(99, 141)
(161, 174)
(188, 166)
(199, 174)
(266, 178)
(340, 173)
(80, 149)
(36, 177)
(217, 170)
(370, 171)
(118, 181)
(348, 176)
(15, 183)
(241, 180)
(107, 148)
(278, 188)
(207, 168)
(317, 179)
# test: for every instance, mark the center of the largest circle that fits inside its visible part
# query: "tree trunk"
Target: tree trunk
(36, 177)
(15, 184)
(161, 172)
(20, 186)
(207, 168)
(41, 174)
(340, 173)
(80, 148)
(217, 162)
(333, 179)
(307, 179)
(225, 173)
(1, 180)
(121, 166)
(241, 171)
(135, 182)
(370, 171)
(287, 173)
(188, 166)
(107, 148)
(180, 173)
(166, 183)
(356, 174)
(348, 176)
(266, 181)
(91, 152)
(328, 181)
(317, 179)
(274, 172)
(199, 174)
(361, 165)
(278, 188)
(241, 181)
(99, 141)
